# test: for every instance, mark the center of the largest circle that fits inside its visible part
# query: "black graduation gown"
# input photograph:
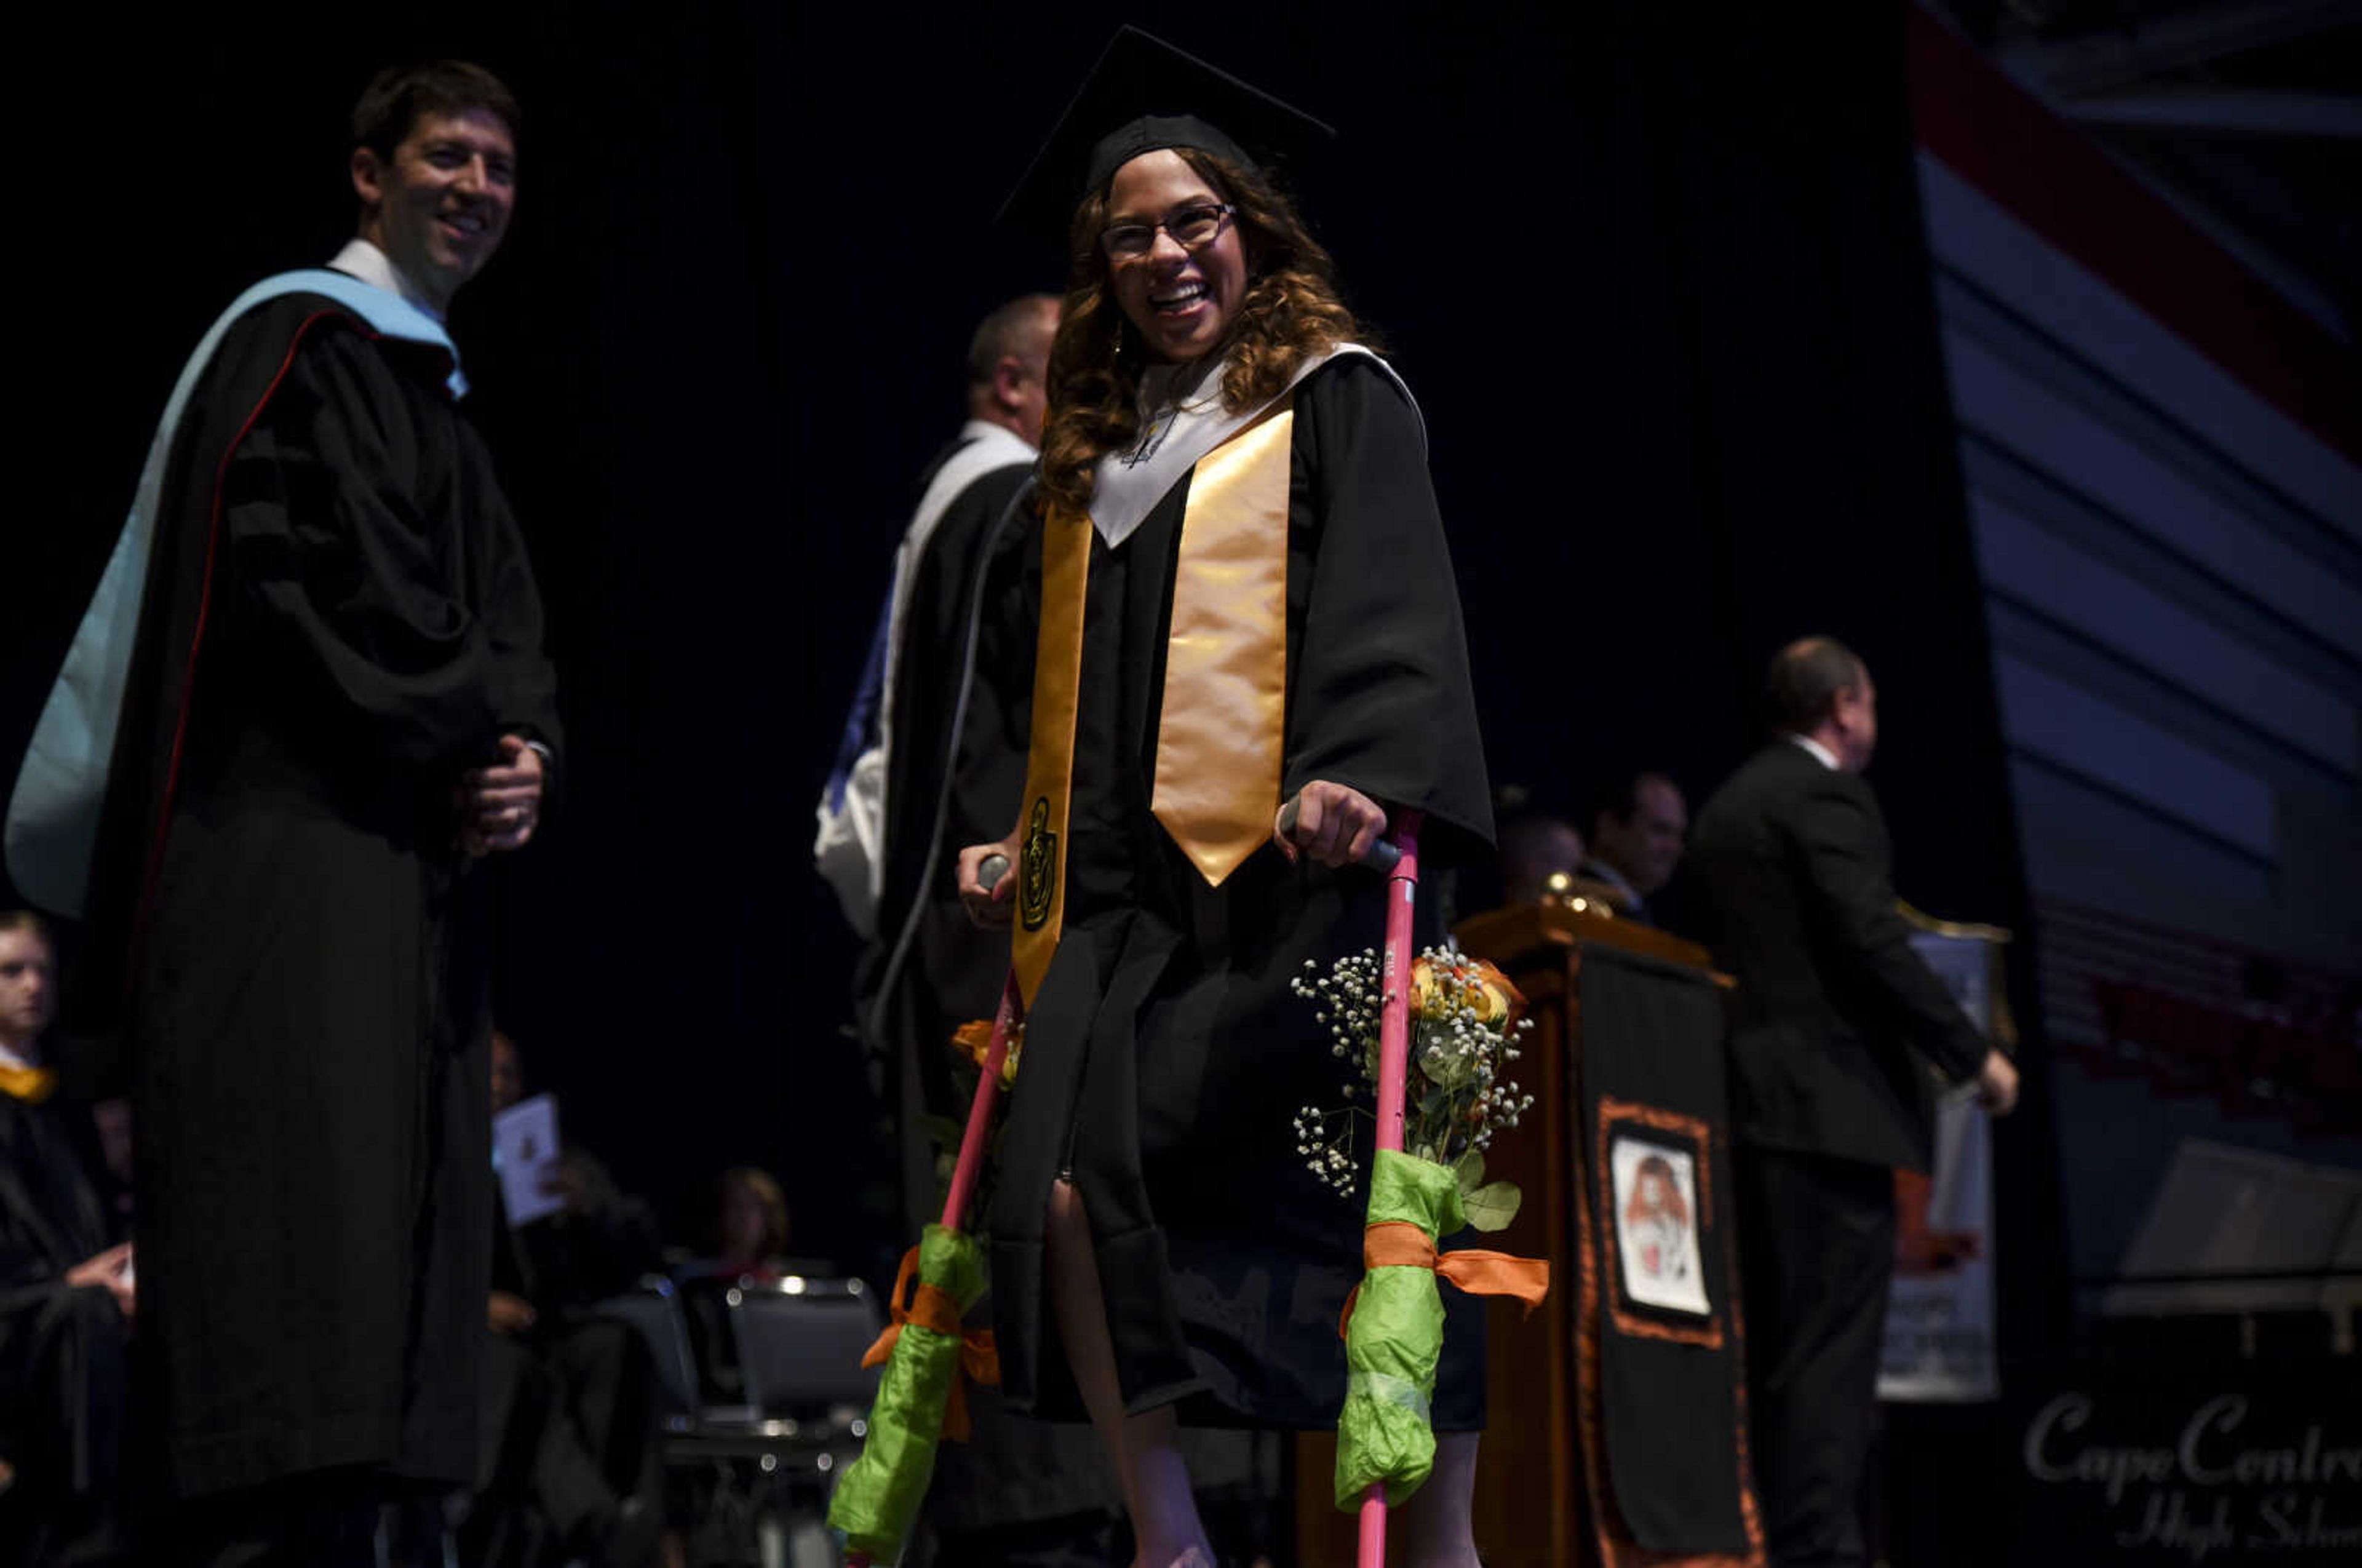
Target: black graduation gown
(62, 1349)
(950, 715)
(975, 554)
(1165, 1058)
(339, 620)
(947, 971)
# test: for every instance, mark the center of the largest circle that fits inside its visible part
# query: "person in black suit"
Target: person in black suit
(1834, 1026)
(1637, 823)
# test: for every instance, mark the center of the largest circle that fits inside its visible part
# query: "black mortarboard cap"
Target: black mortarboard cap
(1141, 96)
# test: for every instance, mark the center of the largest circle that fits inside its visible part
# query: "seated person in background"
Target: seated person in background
(598, 1244)
(1534, 847)
(65, 1286)
(1639, 823)
(737, 1226)
(739, 1229)
(1541, 856)
(572, 1461)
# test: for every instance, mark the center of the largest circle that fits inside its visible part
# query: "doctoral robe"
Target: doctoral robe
(1165, 1055)
(286, 947)
(955, 768)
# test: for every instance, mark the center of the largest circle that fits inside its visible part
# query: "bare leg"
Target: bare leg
(1156, 1480)
(1434, 1528)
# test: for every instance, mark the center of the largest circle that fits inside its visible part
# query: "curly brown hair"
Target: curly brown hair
(1290, 311)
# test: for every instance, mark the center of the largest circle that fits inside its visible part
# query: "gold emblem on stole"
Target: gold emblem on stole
(1038, 866)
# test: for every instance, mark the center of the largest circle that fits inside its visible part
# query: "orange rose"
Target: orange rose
(1426, 995)
(973, 1041)
(1495, 1000)
(1479, 987)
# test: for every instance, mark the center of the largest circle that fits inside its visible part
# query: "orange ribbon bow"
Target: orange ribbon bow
(933, 1308)
(1398, 1244)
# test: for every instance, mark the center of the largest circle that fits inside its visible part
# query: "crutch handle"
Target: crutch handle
(1380, 857)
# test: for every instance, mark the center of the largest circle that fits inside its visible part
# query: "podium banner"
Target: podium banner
(1663, 1411)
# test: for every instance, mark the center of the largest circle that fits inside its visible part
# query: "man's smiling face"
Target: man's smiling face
(441, 207)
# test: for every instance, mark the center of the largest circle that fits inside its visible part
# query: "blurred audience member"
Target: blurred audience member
(66, 1299)
(602, 1242)
(572, 1464)
(1534, 847)
(1639, 822)
(737, 1227)
(741, 1228)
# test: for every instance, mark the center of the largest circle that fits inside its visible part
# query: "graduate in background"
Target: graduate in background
(66, 1286)
(1242, 598)
(316, 663)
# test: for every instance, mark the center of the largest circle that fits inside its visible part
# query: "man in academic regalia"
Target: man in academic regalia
(1834, 1026)
(934, 753)
(926, 750)
(333, 708)
(66, 1278)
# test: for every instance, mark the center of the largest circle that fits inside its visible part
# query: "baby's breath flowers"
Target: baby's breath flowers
(1465, 1028)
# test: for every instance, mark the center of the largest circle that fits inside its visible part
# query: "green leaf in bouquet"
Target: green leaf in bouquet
(1493, 1206)
(1438, 1063)
(1469, 1171)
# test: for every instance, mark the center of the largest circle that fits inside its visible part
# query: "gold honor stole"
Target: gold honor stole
(31, 1085)
(1222, 729)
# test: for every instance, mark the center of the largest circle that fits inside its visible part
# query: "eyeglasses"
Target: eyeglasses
(1192, 228)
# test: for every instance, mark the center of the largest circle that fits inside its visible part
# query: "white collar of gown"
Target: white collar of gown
(1173, 436)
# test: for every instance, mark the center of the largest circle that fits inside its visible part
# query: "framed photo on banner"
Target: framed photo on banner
(1655, 1197)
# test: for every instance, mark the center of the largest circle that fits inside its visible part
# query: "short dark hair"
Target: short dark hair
(390, 106)
(1002, 333)
(1527, 832)
(1615, 794)
(1802, 687)
(25, 920)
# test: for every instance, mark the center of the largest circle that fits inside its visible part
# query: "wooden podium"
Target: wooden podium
(1531, 1485)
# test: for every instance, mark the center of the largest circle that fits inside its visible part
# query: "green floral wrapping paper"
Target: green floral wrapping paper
(879, 1493)
(1393, 1340)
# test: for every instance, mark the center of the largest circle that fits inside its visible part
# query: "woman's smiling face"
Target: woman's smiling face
(1181, 301)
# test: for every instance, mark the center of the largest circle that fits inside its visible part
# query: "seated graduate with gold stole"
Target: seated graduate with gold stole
(1242, 598)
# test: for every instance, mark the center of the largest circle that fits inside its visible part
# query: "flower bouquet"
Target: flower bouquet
(1464, 1025)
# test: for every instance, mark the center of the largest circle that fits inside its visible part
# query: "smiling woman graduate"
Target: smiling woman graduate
(1242, 596)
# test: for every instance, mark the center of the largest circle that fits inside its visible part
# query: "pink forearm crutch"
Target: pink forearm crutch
(1394, 1075)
